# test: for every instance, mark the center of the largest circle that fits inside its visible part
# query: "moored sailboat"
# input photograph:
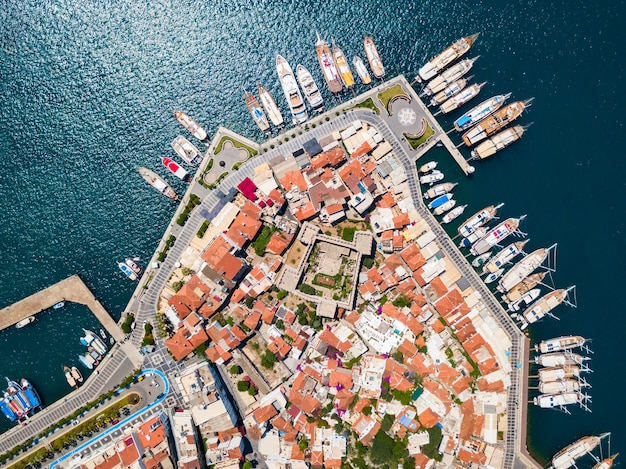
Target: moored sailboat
(567, 457)
(495, 122)
(559, 344)
(327, 64)
(454, 52)
(157, 182)
(448, 77)
(439, 189)
(479, 219)
(543, 306)
(361, 70)
(499, 141)
(501, 231)
(450, 91)
(453, 214)
(523, 269)
(506, 255)
(191, 125)
(342, 65)
(256, 111)
(480, 112)
(461, 98)
(443, 208)
(524, 286)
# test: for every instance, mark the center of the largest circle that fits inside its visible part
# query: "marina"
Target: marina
(527, 57)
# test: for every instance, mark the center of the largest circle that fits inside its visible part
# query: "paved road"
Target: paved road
(153, 406)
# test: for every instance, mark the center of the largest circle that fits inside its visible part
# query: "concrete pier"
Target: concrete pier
(71, 289)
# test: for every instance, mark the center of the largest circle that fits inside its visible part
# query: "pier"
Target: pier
(71, 289)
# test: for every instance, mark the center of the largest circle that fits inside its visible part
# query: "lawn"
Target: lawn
(387, 95)
(236, 143)
(368, 104)
(348, 233)
(416, 142)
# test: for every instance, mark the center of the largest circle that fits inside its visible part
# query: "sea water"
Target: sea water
(87, 91)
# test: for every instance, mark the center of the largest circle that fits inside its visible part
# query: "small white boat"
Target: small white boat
(24, 322)
(311, 91)
(68, 376)
(432, 177)
(186, 150)
(475, 236)
(77, 375)
(361, 70)
(192, 126)
(59, 305)
(525, 300)
(442, 199)
(127, 271)
(449, 205)
(86, 362)
(494, 276)
(133, 265)
(439, 189)
(454, 213)
(482, 259)
(555, 359)
(428, 167)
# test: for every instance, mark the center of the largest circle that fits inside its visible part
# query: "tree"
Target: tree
(247, 465)
(387, 422)
(252, 391)
(282, 294)
(268, 360)
(303, 444)
(382, 448)
(401, 301)
(176, 286)
(243, 385)
(235, 370)
(367, 410)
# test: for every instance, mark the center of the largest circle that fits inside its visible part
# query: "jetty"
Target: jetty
(71, 289)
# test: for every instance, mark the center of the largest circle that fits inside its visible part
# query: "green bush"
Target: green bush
(401, 301)
(203, 228)
(268, 360)
(176, 286)
(308, 289)
(282, 294)
(235, 370)
(243, 385)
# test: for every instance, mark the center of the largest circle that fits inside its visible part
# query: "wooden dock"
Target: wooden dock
(71, 289)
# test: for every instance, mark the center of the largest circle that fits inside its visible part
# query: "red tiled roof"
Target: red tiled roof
(293, 179)
(178, 344)
(218, 257)
(279, 243)
(263, 414)
(428, 418)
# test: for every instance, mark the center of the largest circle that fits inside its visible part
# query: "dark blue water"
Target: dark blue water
(87, 91)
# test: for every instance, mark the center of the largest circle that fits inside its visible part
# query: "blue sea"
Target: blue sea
(87, 91)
